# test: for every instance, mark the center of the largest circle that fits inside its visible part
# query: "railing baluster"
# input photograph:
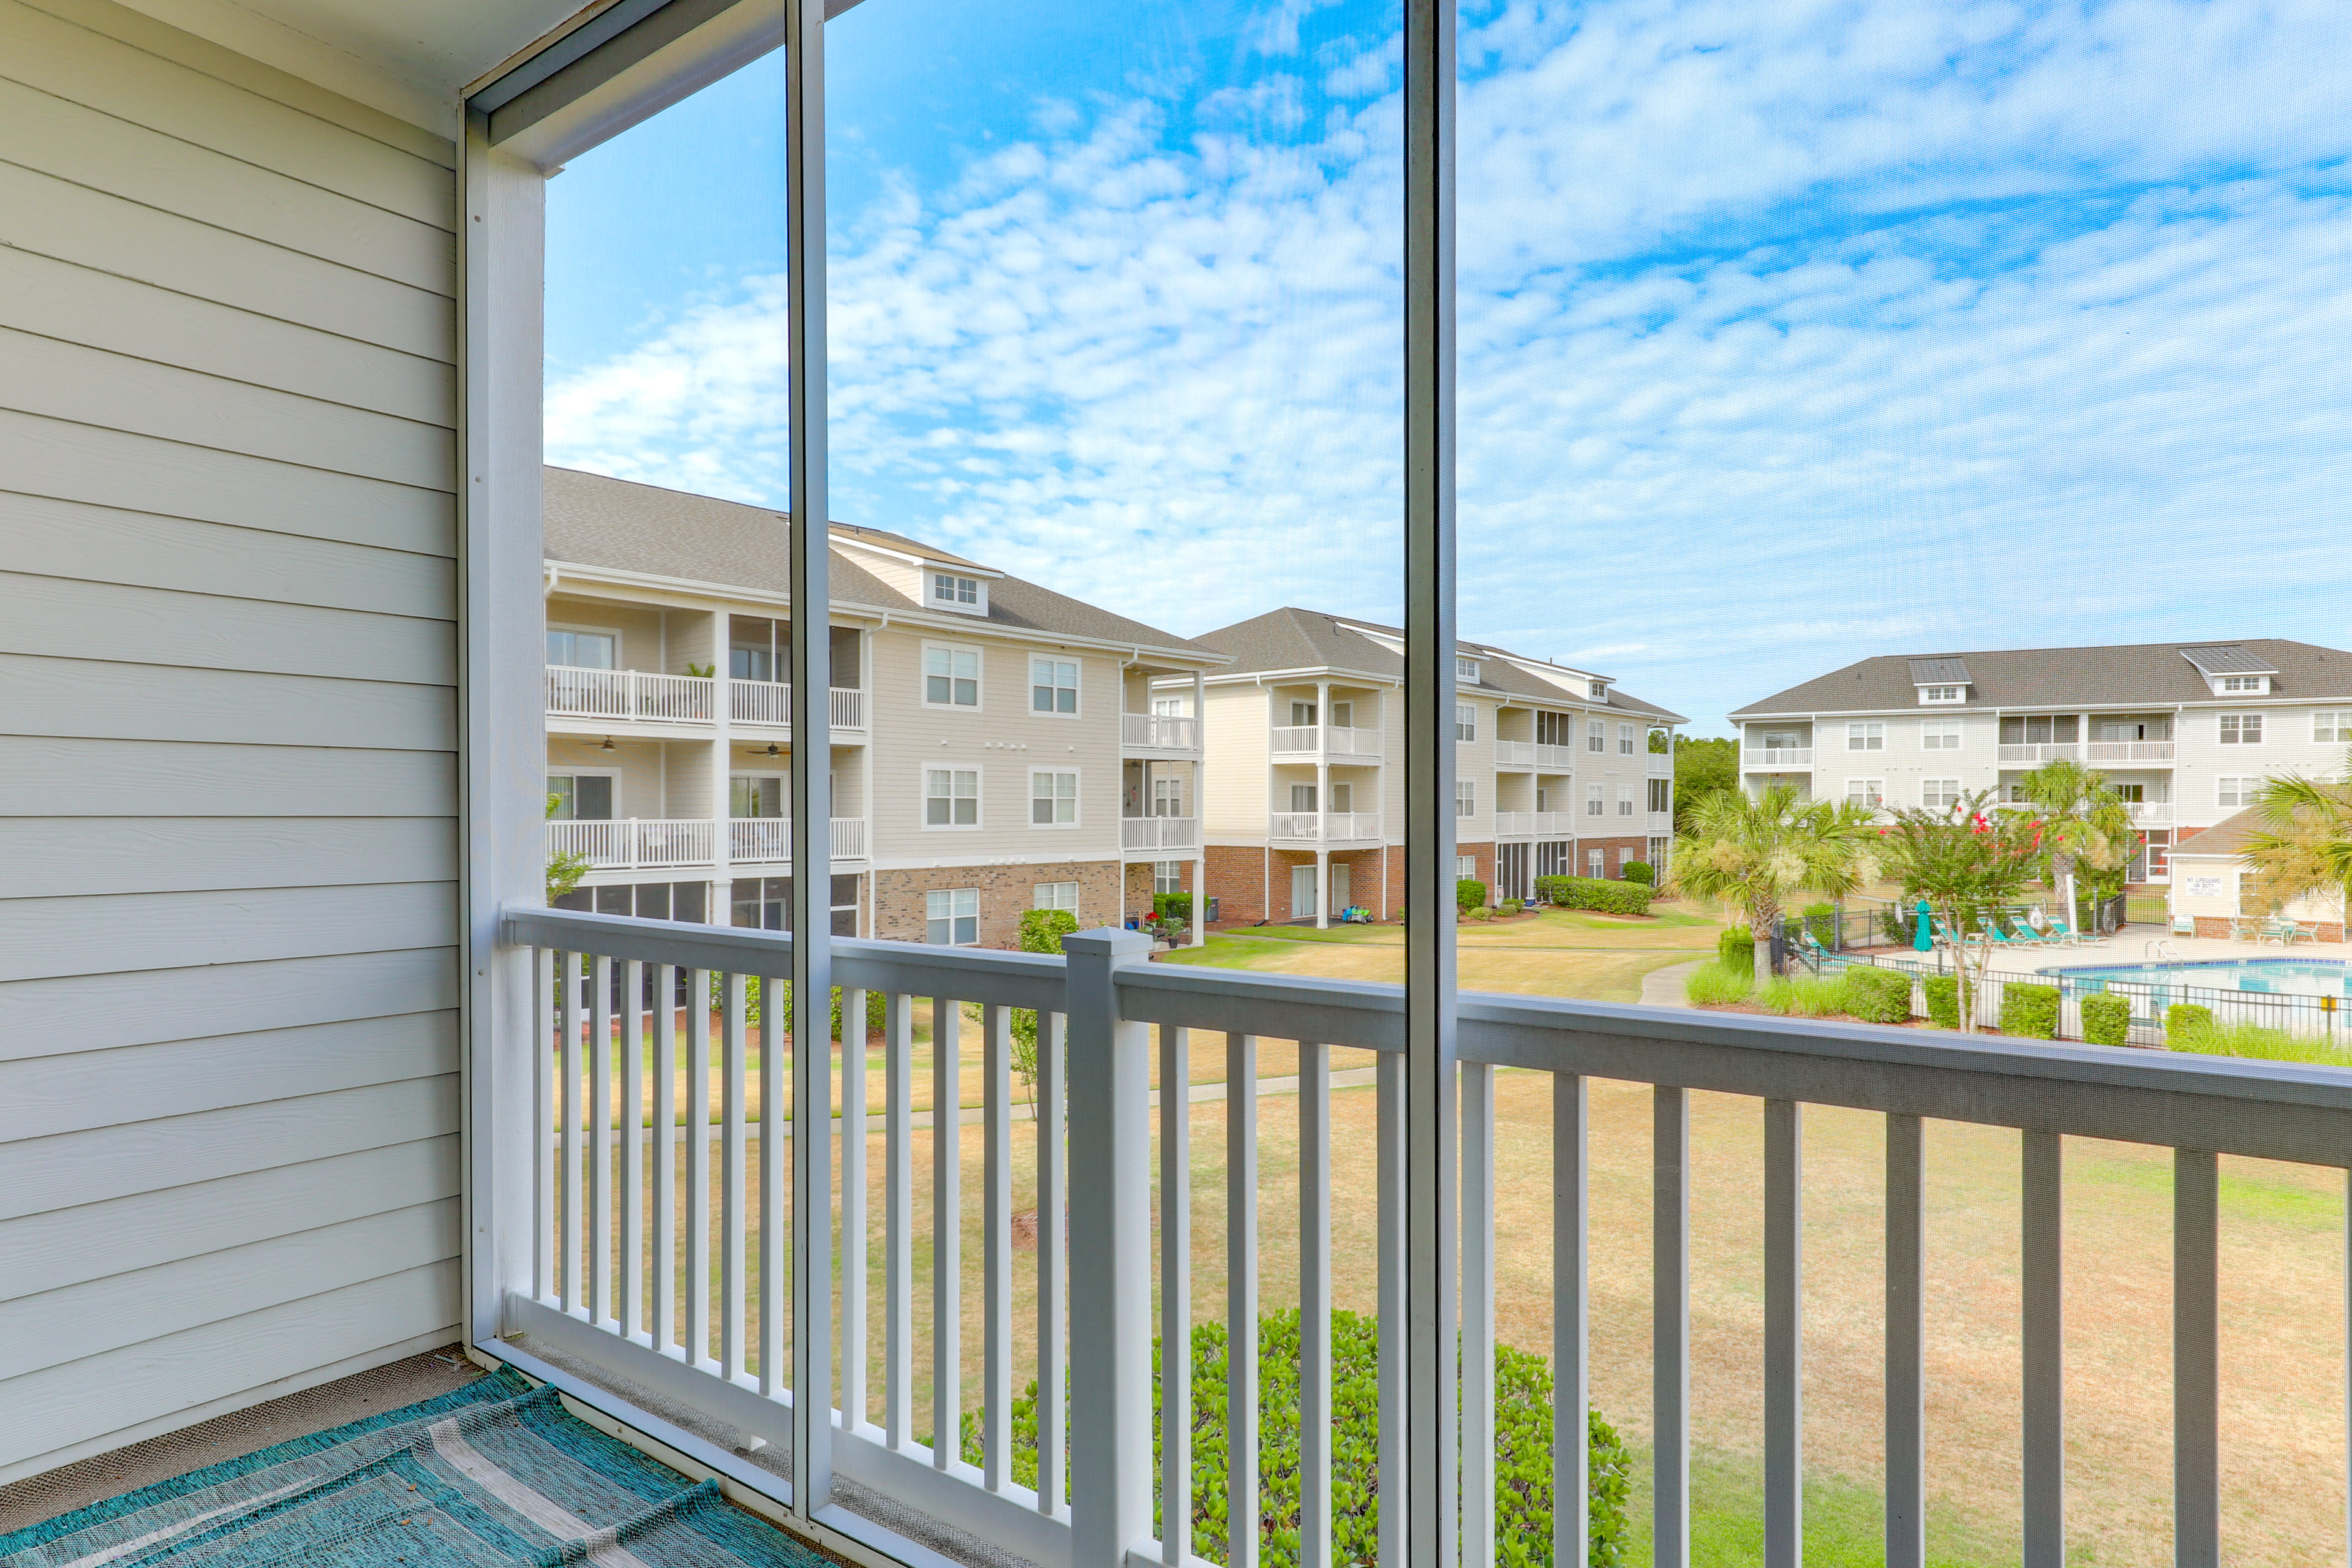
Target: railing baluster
(600, 1143)
(697, 1168)
(1670, 1324)
(1571, 1431)
(775, 1158)
(732, 1068)
(1907, 1367)
(2196, 1380)
(947, 1229)
(1389, 1217)
(1477, 1113)
(853, 1339)
(545, 1031)
(2042, 1235)
(631, 1148)
(996, 1247)
(898, 1220)
(665, 1157)
(1784, 1229)
(1241, 1301)
(575, 1263)
(1053, 1274)
(1175, 1297)
(1313, 1304)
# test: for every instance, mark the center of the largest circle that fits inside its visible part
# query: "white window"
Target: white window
(1555, 729)
(1466, 798)
(1302, 797)
(1465, 867)
(1596, 736)
(950, 676)
(582, 797)
(1172, 706)
(1053, 798)
(1658, 854)
(1624, 800)
(2256, 684)
(1467, 669)
(1870, 793)
(1466, 721)
(2242, 729)
(1627, 735)
(1055, 896)
(582, 650)
(1592, 863)
(1302, 714)
(1343, 794)
(1343, 715)
(1168, 877)
(1167, 797)
(1940, 693)
(1865, 735)
(1782, 740)
(952, 917)
(947, 588)
(1939, 794)
(1939, 734)
(951, 797)
(756, 795)
(1662, 795)
(1052, 685)
(2235, 790)
(1595, 800)
(2334, 728)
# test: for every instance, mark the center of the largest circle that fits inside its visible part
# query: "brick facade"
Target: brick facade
(901, 913)
(1139, 888)
(2218, 928)
(1615, 852)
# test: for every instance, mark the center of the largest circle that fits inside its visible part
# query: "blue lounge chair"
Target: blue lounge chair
(2072, 938)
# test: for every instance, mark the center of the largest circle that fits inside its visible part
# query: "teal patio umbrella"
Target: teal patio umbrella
(1922, 938)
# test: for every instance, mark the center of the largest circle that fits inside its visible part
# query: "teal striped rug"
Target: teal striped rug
(492, 1474)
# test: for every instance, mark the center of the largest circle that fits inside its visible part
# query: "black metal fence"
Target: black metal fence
(2306, 1015)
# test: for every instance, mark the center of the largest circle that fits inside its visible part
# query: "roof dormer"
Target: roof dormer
(2230, 671)
(949, 588)
(1941, 680)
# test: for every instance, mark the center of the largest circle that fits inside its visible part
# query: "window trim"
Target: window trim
(1941, 734)
(954, 598)
(1465, 668)
(1628, 735)
(1624, 800)
(613, 773)
(2340, 732)
(1077, 797)
(1927, 804)
(1876, 799)
(1466, 798)
(1864, 730)
(930, 893)
(1934, 696)
(979, 679)
(1596, 800)
(1035, 888)
(1596, 735)
(2248, 783)
(1078, 687)
(2222, 722)
(1466, 723)
(978, 797)
(575, 628)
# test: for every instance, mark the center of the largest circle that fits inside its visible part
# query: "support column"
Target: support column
(1322, 890)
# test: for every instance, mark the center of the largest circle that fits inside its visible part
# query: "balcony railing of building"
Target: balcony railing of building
(645, 844)
(2033, 753)
(2127, 751)
(1159, 732)
(1158, 832)
(760, 840)
(1535, 755)
(1537, 823)
(771, 702)
(1326, 826)
(1765, 759)
(2149, 813)
(648, 1274)
(1331, 742)
(631, 696)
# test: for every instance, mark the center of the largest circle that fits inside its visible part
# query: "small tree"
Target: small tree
(1971, 856)
(1042, 931)
(1757, 850)
(2306, 843)
(2084, 823)
(565, 870)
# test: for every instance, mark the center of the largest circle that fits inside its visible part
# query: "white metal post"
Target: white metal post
(1110, 1253)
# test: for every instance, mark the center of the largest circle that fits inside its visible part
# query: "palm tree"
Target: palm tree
(2305, 844)
(1757, 850)
(2083, 821)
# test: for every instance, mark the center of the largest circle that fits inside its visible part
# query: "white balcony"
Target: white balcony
(1661, 764)
(2126, 752)
(1326, 828)
(1515, 753)
(1773, 759)
(2035, 753)
(634, 843)
(1326, 742)
(1136, 833)
(768, 704)
(2149, 813)
(768, 840)
(1536, 824)
(1159, 732)
(1555, 758)
(629, 696)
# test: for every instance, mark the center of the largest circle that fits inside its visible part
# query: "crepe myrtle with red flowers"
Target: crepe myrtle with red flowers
(1969, 856)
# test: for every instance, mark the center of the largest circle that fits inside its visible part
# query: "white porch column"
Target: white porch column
(1323, 805)
(1322, 889)
(722, 768)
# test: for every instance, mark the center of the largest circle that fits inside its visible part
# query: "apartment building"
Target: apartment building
(993, 746)
(1304, 729)
(2185, 731)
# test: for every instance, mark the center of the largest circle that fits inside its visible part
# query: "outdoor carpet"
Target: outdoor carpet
(493, 1475)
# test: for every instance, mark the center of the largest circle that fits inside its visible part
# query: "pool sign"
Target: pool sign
(2204, 887)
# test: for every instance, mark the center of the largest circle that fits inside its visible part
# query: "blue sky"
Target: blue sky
(1790, 334)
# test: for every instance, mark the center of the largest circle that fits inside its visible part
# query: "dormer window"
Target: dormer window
(1466, 668)
(2247, 685)
(1943, 694)
(1599, 691)
(951, 592)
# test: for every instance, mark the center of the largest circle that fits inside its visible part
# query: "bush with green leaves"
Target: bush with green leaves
(2185, 1018)
(1943, 995)
(875, 1001)
(1509, 907)
(2255, 1040)
(2106, 1018)
(1806, 997)
(1041, 931)
(1523, 1468)
(1735, 947)
(1719, 985)
(1878, 995)
(1469, 893)
(1640, 871)
(2028, 1011)
(1594, 893)
(1176, 906)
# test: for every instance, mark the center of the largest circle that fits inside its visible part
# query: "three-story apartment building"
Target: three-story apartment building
(2186, 732)
(994, 743)
(1304, 729)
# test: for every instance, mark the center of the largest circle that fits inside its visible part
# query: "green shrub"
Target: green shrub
(1943, 992)
(1736, 948)
(1804, 997)
(1478, 912)
(1718, 984)
(1640, 871)
(2254, 1040)
(1469, 893)
(1177, 907)
(2184, 1018)
(1594, 893)
(1523, 1469)
(874, 1002)
(1510, 906)
(1042, 931)
(2028, 1011)
(2106, 1018)
(1878, 995)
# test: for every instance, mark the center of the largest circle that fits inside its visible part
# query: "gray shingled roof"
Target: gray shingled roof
(2227, 836)
(1293, 639)
(593, 521)
(2058, 677)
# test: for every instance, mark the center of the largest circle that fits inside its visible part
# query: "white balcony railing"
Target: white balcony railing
(634, 843)
(1555, 758)
(668, 1302)
(1325, 828)
(771, 702)
(1660, 765)
(2036, 753)
(1515, 753)
(765, 840)
(1766, 759)
(1158, 832)
(1159, 732)
(631, 696)
(2127, 751)
(1333, 741)
(2149, 813)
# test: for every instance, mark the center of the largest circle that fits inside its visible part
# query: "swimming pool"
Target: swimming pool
(2290, 976)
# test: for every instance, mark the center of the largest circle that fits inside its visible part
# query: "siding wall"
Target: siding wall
(228, 856)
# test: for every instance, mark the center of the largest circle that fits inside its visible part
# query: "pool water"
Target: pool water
(2294, 976)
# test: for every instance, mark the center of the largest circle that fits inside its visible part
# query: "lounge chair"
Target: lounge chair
(2070, 937)
(2000, 938)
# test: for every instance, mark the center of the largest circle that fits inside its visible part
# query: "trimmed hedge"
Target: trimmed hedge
(1878, 995)
(2028, 1011)
(1177, 907)
(1523, 1472)
(2106, 1019)
(1640, 871)
(1943, 1000)
(1735, 948)
(1594, 893)
(1469, 893)
(2185, 1018)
